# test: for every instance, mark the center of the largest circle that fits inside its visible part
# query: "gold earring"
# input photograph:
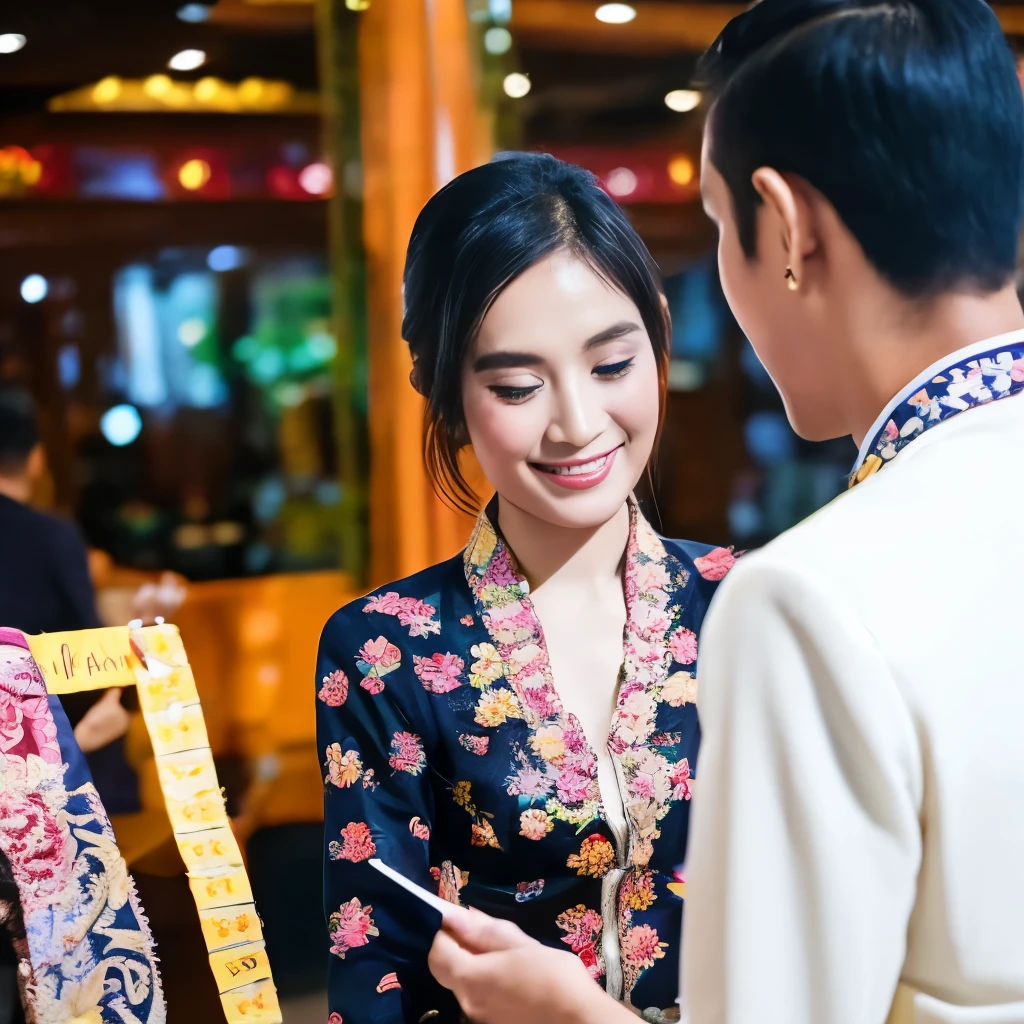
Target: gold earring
(793, 283)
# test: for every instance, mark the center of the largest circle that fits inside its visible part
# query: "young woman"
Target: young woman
(516, 727)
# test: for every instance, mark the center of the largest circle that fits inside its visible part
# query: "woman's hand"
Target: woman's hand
(501, 976)
(106, 721)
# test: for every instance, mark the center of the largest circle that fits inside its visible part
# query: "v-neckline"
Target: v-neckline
(510, 616)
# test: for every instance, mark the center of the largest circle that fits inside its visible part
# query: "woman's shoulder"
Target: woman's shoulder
(409, 607)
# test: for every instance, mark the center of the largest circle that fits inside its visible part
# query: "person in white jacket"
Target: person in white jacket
(857, 850)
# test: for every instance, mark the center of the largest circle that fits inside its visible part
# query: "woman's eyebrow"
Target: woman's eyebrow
(514, 360)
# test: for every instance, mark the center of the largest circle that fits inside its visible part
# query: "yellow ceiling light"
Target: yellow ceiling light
(107, 90)
(157, 86)
(681, 170)
(206, 89)
(250, 92)
(194, 174)
(161, 94)
(357, 5)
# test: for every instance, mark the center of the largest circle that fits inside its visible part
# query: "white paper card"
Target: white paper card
(441, 906)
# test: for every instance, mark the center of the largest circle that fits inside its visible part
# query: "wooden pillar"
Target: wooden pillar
(338, 30)
(420, 127)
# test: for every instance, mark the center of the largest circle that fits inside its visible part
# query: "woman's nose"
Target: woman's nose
(576, 421)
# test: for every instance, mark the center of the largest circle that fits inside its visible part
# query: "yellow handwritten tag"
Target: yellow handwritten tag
(252, 1004)
(187, 776)
(224, 889)
(241, 965)
(229, 926)
(85, 659)
(209, 851)
(202, 811)
(176, 729)
(159, 692)
(195, 806)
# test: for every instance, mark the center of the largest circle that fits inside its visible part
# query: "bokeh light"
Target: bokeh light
(187, 60)
(682, 101)
(194, 174)
(615, 14)
(517, 85)
(34, 288)
(621, 182)
(681, 170)
(121, 424)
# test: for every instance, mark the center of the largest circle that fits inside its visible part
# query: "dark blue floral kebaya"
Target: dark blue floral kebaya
(448, 754)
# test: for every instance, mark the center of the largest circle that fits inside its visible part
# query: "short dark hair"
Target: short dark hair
(19, 433)
(906, 115)
(476, 236)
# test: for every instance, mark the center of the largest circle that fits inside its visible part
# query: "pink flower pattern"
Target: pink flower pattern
(334, 691)
(358, 843)
(439, 673)
(475, 744)
(411, 612)
(682, 646)
(351, 926)
(716, 564)
(407, 753)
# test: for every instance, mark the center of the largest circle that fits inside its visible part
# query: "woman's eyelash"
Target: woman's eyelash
(614, 369)
(511, 394)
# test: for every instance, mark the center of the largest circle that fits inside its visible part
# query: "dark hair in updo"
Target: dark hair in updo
(476, 236)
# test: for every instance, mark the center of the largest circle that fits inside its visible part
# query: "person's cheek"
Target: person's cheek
(499, 434)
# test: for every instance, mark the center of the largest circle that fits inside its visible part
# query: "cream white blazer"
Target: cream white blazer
(857, 846)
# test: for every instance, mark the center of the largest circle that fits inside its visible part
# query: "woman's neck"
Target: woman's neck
(543, 550)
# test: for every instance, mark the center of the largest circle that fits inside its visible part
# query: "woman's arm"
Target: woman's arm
(372, 735)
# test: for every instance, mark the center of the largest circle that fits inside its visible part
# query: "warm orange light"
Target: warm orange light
(157, 86)
(107, 90)
(681, 170)
(206, 89)
(194, 174)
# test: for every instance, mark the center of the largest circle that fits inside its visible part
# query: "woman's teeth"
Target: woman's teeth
(587, 467)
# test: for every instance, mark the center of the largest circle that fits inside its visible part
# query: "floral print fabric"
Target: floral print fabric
(66, 896)
(446, 752)
(984, 377)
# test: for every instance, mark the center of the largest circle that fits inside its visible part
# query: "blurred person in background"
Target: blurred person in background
(47, 587)
(858, 834)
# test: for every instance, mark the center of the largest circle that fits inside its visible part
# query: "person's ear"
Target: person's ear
(793, 217)
(35, 465)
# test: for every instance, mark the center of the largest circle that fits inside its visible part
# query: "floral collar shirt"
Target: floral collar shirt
(447, 753)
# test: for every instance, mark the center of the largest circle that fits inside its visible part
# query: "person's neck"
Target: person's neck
(17, 488)
(894, 342)
(543, 550)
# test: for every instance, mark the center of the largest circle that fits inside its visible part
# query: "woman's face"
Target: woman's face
(560, 394)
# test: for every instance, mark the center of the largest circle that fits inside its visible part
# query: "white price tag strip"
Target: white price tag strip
(441, 906)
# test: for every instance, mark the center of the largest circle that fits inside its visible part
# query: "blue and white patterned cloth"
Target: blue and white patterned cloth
(986, 372)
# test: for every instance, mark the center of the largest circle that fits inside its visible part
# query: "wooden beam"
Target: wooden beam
(657, 27)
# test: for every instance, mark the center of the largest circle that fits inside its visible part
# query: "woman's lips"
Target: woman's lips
(578, 474)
